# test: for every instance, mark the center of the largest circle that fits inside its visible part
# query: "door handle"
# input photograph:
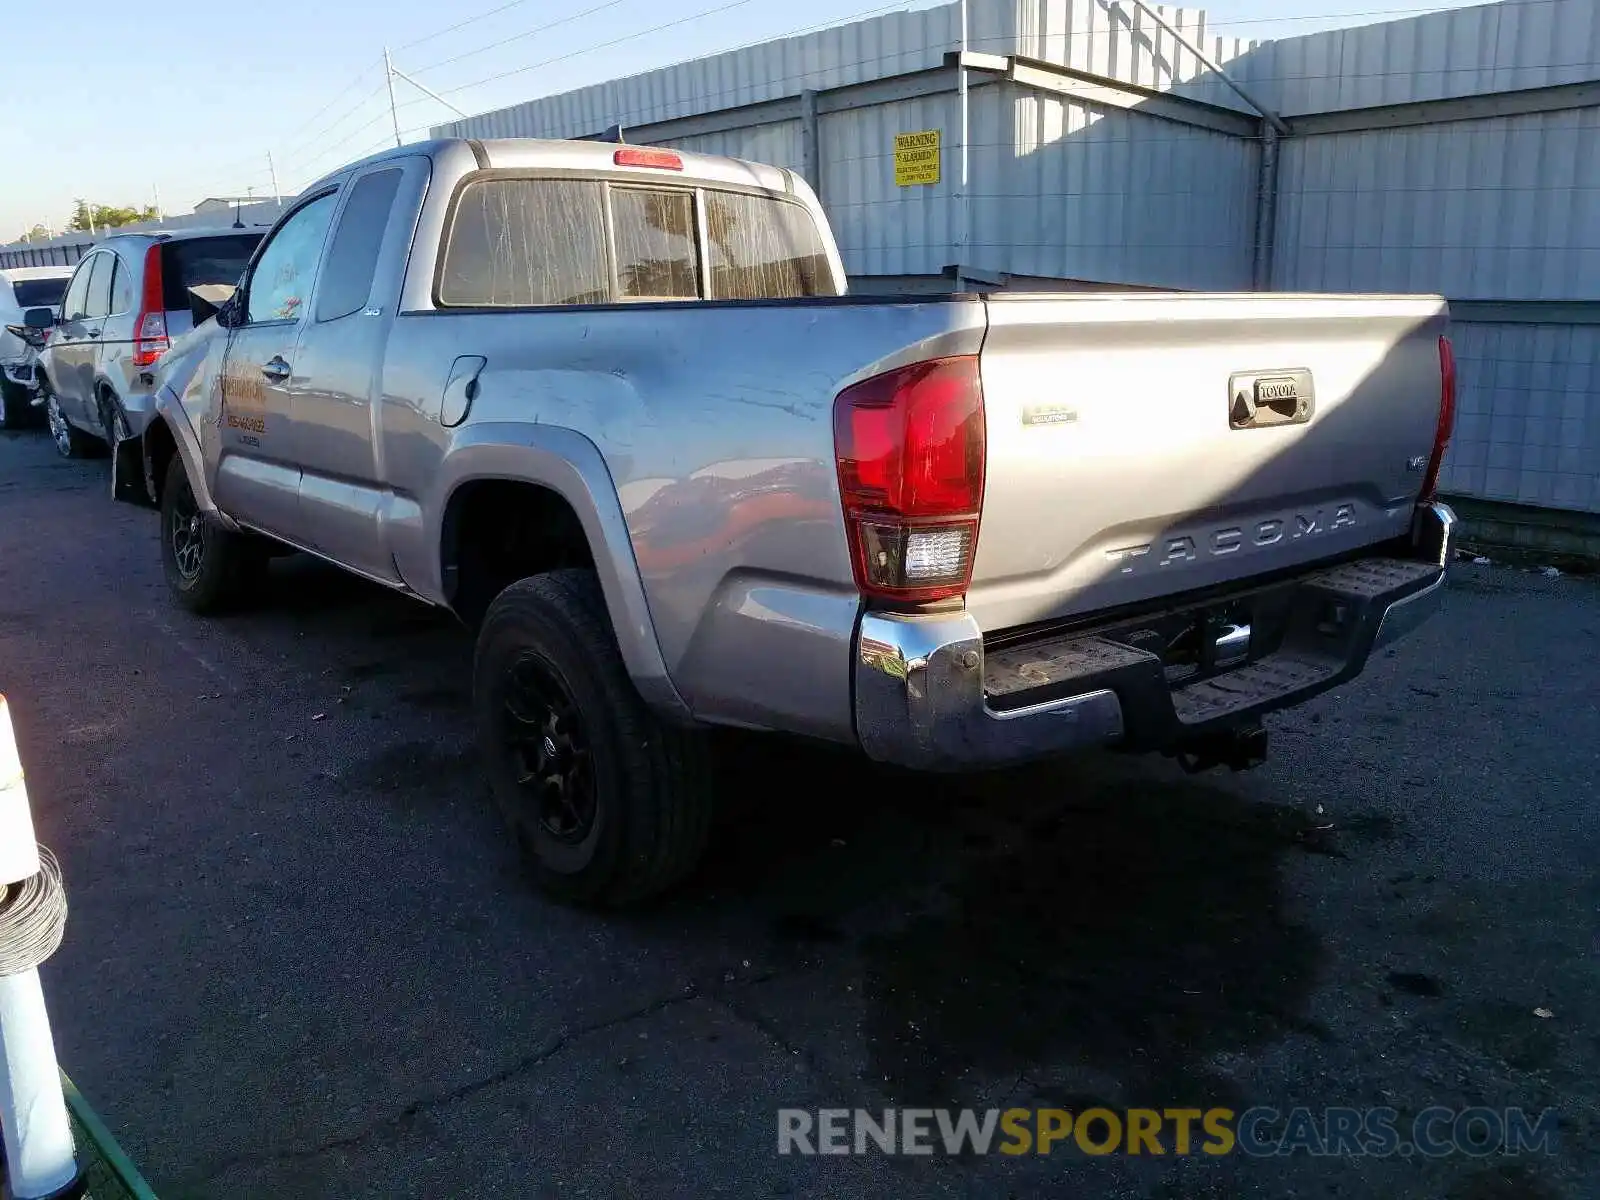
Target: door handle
(275, 369)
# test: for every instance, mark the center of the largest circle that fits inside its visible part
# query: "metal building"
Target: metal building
(1457, 153)
(1067, 179)
(1450, 153)
(1118, 143)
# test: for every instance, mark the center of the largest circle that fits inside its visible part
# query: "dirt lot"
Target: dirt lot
(302, 961)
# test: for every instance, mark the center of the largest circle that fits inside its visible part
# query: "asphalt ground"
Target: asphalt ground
(302, 959)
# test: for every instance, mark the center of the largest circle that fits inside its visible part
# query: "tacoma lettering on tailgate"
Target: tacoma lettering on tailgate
(1230, 539)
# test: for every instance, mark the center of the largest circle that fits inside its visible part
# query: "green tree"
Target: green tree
(37, 234)
(107, 216)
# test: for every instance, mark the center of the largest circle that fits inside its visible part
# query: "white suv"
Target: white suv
(128, 299)
(22, 288)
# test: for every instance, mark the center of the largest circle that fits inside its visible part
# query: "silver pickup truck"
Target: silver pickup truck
(611, 406)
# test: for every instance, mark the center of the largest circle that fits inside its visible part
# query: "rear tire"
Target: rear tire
(208, 569)
(15, 406)
(609, 804)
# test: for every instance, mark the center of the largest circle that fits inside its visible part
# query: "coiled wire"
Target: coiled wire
(33, 917)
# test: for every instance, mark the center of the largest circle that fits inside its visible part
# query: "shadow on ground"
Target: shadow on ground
(1100, 912)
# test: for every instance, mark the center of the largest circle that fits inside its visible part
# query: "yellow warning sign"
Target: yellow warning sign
(916, 158)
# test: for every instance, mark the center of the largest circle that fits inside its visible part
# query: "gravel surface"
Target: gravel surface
(302, 960)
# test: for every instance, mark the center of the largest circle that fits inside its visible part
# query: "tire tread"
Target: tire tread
(667, 773)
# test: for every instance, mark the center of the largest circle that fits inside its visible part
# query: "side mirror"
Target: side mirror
(209, 300)
(39, 318)
(231, 314)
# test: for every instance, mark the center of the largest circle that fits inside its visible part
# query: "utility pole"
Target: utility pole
(155, 194)
(273, 171)
(388, 75)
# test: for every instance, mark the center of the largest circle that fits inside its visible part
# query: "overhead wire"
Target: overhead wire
(593, 10)
(291, 151)
(617, 41)
(428, 37)
(538, 29)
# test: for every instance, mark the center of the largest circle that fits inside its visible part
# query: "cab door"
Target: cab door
(74, 346)
(257, 475)
(339, 371)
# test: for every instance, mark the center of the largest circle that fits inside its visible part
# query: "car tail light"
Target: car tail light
(643, 156)
(910, 451)
(1447, 419)
(150, 326)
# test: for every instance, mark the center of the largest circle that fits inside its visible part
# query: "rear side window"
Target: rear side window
(525, 242)
(39, 293)
(353, 258)
(521, 242)
(122, 289)
(764, 249)
(195, 262)
(98, 302)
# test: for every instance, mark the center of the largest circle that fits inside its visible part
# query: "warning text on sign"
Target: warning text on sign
(916, 158)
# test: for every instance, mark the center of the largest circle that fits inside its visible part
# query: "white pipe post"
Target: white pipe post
(33, 1109)
(964, 211)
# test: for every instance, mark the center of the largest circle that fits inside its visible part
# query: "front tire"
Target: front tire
(608, 804)
(208, 569)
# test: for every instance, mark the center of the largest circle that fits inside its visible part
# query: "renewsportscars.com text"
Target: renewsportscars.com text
(1258, 1132)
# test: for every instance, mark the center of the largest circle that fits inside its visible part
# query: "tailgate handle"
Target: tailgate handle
(1263, 399)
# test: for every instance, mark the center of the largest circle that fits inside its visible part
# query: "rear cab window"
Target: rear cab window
(195, 262)
(517, 241)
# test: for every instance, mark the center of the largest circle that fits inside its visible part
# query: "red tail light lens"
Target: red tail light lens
(910, 449)
(1447, 420)
(642, 156)
(150, 328)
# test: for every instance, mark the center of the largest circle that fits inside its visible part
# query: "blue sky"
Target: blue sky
(128, 101)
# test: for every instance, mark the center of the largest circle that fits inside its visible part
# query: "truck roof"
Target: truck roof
(581, 156)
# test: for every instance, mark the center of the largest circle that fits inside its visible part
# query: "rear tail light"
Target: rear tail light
(910, 450)
(150, 328)
(643, 156)
(1447, 420)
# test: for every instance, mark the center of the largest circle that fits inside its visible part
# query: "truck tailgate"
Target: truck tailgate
(1144, 446)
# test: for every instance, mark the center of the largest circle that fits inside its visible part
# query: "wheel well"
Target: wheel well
(106, 404)
(160, 447)
(497, 531)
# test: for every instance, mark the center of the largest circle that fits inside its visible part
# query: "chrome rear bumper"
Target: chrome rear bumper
(923, 698)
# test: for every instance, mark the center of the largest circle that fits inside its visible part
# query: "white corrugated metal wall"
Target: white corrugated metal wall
(1449, 153)
(1493, 200)
(1101, 195)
